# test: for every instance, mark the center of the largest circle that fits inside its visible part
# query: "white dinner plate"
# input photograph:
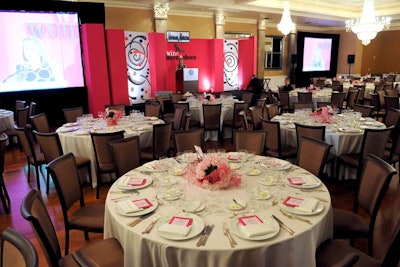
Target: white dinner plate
(234, 227)
(232, 206)
(312, 182)
(67, 130)
(318, 209)
(234, 165)
(121, 182)
(156, 166)
(253, 172)
(196, 229)
(71, 124)
(140, 212)
(195, 206)
(275, 164)
(235, 156)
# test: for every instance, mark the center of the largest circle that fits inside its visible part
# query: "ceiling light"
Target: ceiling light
(368, 25)
(286, 25)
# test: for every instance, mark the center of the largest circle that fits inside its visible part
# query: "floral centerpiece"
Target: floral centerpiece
(112, 116)
(323, 114)
(208, 98)
(212, 173)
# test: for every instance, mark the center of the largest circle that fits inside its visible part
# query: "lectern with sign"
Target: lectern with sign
(187, 79)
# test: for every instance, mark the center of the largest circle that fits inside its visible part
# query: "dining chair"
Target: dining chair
(351, 98)
(235, 121)
(178, 120)
(104, 161)
(337, 99)
(89, 218)
(186, 140)
(312, 155)
(188, 119)
(392, 151)
(21, 121)
(126, 154)
(186, 107)
(152, 109)
(284, 102)
(360, 95)
(51, 148)
(304, 97)
(119, 107)
(391, 102)
(392, 92)
(365, 110)
(70, 114)
(243, 119)
(5, 198)
(272, 111)
(31, 112)
(337, 253)
(34, 157)
(107, 252)
(40, 123)
(161, 143)
(256, 113)
(249, 140)
(273, 143)
(17, 250)
(212, 119)
(373, 183)
(378, 112)
(261, 102)
(176, 97)
(324, 104)
(19, 104)
(373, 142)
(247, 97)
(302, 106)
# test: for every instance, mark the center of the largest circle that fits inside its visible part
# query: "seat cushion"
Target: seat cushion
(347, 224)
(350, 159)
(80, 161)
(68, 261)
(89, 217)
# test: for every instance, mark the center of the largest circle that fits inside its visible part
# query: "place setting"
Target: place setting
(301, 204)
(254, 227)
(181, 226)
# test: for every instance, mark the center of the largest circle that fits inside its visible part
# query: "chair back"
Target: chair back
(161, 139)
(50, 145)
(272, 111)
(261, 102)
(304, 97)
(22, 117)
(65, 176)
(34, 211)
(273, 137)
(212, 117)
(179, 121)
(3, 142)
(392, 92)
(70, 114)
(40, 123)
(311, 131)
(188, 116)
(391, 102)
(361, 93)
(104, 160)
(247, 96)
(337, 99)
(324, 104)
(152, 109)
(243, 119)
(392, 256)
(237, 107)
(186, 140)
(374, 142)
(119, 107)
(26, 142)
(176, 97)
(249, 140)
(32, 109)
(126, 154)
(284, 99)
(16, 250)
(256, 113)
(312, 155)
(19, 104)
(184, 105)
(392, 117)
(303, 106)
(365, 110)
(351, 98)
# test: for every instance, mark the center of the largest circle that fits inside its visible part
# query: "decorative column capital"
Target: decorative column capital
(161, 10)
(262, 23)
(219, 18)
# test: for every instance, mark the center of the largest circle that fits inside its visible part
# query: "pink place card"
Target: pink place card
(136, 181)
(142, 203)
(181, 221)
(296, 180)
(293, 201)
(250, 220)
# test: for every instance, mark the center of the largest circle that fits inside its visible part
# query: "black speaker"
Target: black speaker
(293, 59)
(350, 59)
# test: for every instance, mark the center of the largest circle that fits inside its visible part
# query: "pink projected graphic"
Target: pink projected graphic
(39, 51)
(317, 54)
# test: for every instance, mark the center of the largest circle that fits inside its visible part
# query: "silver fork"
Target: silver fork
(151, 225)
(227, 233)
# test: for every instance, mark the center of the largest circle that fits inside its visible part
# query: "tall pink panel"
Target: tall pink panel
(117, 66)
(247, 60)
(95, 64)
(158, 63)
(217, 59)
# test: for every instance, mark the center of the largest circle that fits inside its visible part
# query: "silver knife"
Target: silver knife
(202, 236)
(139, 219)
(208, 232)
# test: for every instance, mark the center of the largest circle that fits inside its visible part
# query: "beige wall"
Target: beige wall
(381, 56)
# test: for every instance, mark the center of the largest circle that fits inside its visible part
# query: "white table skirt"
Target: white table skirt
(81, 144)
(6, 120)
(281, 250)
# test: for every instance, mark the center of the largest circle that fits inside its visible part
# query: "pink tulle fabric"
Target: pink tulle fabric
(112, 120)
(221, 177)
(322, 115)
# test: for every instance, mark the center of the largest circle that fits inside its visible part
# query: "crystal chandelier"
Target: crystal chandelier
(286, 25)
(368, 25)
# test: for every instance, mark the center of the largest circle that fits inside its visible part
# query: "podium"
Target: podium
(187, 79)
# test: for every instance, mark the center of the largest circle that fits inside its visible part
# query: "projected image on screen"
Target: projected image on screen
(39, 51)
(317, 54)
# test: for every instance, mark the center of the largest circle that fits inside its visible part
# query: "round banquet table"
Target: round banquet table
(344, 131)
(6, 120)
(280, 249)
(75, 137)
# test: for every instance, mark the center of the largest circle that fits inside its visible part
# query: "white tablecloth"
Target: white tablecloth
(76, 138)
(6, 120)
(323, 95)
(281, 250)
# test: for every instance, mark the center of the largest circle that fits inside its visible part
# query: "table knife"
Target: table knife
(139, 219)
(202, 236)
(208, 232)
(290, 231)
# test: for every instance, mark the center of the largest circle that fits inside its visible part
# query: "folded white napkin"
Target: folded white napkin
(233, 156)
(308, 205)
(302, 180)
(127, 206)
(132, 181)
(253, 226)
(177, 226)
